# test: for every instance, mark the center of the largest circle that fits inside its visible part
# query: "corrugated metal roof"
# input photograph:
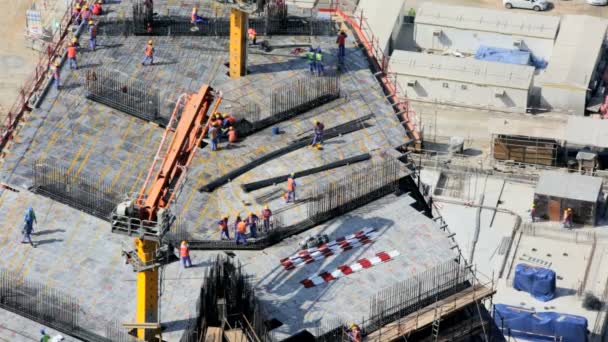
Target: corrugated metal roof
(569, 185)
(381, 16)
(587, 131)
(479, 19)
(467, 70)
(575, 52)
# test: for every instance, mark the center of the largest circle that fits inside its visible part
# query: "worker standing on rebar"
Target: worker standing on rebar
(184, 253)
(223, 225)
(567, 219)
(233, 137)
(149, 54)
(56, 75)
(252, 222)
(45, 337)
(213, 136)
(29, 218)
(241, 230)
(310, 57)
(92, 35)
(76, 14)
(318, 130)
(253, 35)
(341, 41)
(72, 56)
(291, 188)
(319, 61)
(354, 333)
(97, 9)
(266, 214)
(85, 15)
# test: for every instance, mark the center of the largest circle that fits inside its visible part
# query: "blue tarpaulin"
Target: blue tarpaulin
(494, 54)
(538, 281)
(540, 326)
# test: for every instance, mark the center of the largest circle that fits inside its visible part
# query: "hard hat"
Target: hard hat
(56, 63)
(225, 216)
(150, 42)
(42, 331)
(99, 1)
(77, 6)
(315, 121)
(74, 40)
(90, 22)
(292, 175)
(184, 242)
(352, 325)
(533, 205)
(250, 214)
(266, 206)
(224, 115)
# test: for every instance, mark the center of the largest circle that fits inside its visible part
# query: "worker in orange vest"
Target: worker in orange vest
(341, 41)
(232, 135)
(184, 253)
(223, 225)
(291, 188)
(149, 54)
(72, 56)
(252, 35)
(241, 232)
(266, 214)
(97, 10)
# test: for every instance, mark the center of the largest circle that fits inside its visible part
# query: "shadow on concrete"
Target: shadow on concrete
(88, 66)
(48, 231)
(47, 241)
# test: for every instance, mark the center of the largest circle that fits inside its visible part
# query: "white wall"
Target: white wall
(469, 41)
(564, 100)
(480, 96)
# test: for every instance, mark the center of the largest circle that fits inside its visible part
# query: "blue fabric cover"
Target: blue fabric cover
(538, 281)
(494, 54)
(529, 324)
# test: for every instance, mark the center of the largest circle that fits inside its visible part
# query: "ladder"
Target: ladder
(436, 321)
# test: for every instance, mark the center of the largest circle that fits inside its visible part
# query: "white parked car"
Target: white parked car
(537, 5)
(598, 2)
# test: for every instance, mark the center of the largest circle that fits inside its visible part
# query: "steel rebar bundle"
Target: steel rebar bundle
(333, 132)
(83, 192)
(128, 95)
(247, 187)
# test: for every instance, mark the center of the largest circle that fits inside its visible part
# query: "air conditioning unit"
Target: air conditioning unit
(518, 43)
(412, 83)
(437, 33)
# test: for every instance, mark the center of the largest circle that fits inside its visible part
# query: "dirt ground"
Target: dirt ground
(16, 60)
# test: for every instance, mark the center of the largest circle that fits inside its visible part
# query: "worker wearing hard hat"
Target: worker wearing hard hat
(184, 253)
(354, 333)
(318, 129)
(149, 54)
(76, 14)
(266, 214)
(252, 221)
(291, 188)
(232, 135)
(310, 57)
(252, 34)
(85, 15)
(72, 55)
(55, 71)
(533, 213)
(241, 232)
(92, 35)
(223, 225)
(341, 41)
(319, 61)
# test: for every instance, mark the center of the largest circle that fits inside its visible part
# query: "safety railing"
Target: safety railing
(34, 82)
(380, 59)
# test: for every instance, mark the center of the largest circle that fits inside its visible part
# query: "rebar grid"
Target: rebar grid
(51, 308)
(83, 192)
(227, 298)
(128, 95)
(354, 190)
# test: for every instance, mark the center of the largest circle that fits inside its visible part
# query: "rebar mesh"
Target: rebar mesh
(128, 95)
(354, 190)
(83, 192)
(45, 305)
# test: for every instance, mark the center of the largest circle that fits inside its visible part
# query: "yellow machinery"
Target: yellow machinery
(239, 25)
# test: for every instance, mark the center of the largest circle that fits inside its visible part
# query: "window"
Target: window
(445, 85)
(464, 87)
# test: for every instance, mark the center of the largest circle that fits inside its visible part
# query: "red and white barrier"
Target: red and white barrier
(344, 270)
(307, 256)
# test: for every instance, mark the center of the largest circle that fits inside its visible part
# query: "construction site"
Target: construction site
(306, 170)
